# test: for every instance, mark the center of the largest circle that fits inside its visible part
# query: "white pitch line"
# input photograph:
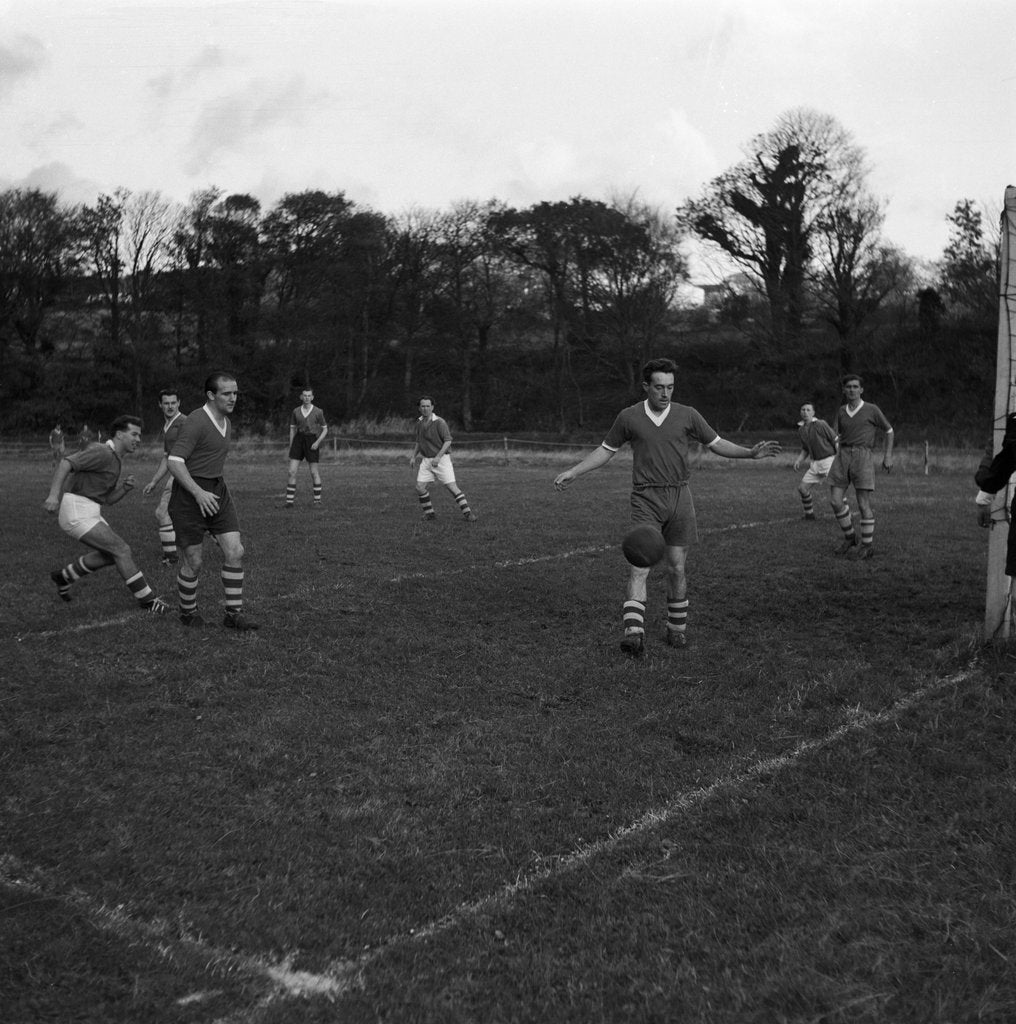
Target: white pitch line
(344, 975)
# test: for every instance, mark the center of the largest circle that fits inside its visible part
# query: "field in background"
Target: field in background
(431, 788)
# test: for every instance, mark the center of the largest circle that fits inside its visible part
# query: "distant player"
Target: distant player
(172, 421)
(201, 503)
(660, 433)
(818, 446)
(57, 444)
(85, 438)
(307, 429)
(83, 483)
(433, 445)
(857, 426)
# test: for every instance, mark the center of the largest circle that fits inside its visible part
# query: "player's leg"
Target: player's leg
(425, 477)
(108, 544)
(77, 516)
(294, 465)
(867, 522)
(167, 535)
(807, 501)
(841, 510)
(677, 596)
(445, 473)
(225, 527)
(633, 614)
(189, 525)
(313, 458)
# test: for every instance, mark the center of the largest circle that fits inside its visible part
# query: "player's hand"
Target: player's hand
(563, 480)
(766, 449)
(128, 483)
(984, 515)
(148, 488)
(51, 504)
(207, 502)
(797, 465)
(887, 464)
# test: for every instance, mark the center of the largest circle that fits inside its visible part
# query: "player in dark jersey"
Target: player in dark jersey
(818, 446)
(82, 484)
(201, 503)
(433, 448)
(660, 433)
(307, 429)
(857, 426)
(173, 420)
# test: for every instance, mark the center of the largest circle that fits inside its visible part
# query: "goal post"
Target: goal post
(998, 611)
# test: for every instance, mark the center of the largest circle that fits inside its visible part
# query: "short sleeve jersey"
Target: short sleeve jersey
(431, 435)
(660, 451)
(860, 430)
(201, 445)
(171, 431)
(96, 472)
(817, 439)
(313, 423)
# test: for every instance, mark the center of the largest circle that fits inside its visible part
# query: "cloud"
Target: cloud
(208, 59)
(21, 58)
(226, 125)
(59, 178)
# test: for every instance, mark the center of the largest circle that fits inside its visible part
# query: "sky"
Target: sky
(418, 105)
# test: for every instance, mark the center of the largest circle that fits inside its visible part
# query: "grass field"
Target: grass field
(431, 789)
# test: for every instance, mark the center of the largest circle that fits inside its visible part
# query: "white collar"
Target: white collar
(853, 412)
(656, 417)
(211, 415)
(307, 409)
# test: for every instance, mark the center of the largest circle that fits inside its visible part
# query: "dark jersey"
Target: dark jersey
(201, 445)
(817, 439)
(96, 472)
(313, 423)
(431, 435)
(660, 451)
(171, 430)
(860, 428)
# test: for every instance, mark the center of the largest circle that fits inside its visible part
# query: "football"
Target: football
(643, 545)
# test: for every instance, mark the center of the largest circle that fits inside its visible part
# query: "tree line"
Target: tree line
(534, 319)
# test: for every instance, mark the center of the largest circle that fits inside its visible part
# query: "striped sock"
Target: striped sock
(426, 505)
(634, 617)
(460, 500)
(232, 584)
(139, 587)
(677, 615)
(68, 575)
(845, 522)
(317, 492)
(808, 502)
(167, 538)
(290, 494)
(187, 591)
(867, 531)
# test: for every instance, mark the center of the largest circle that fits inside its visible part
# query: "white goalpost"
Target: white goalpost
(998, 609)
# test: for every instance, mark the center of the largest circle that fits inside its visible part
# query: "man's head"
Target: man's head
(306, 397)
(169, 401)
(426, 405)
(853, 386)
(807, 412)
(125, 432)
(658, 382)
(221, 390)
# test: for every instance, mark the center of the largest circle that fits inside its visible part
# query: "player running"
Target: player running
(82, 483)
(660, 433)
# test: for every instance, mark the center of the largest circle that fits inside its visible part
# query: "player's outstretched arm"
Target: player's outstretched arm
(599, 457)
(762, 450)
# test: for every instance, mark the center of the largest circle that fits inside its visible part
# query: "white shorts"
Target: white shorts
(818, 471)
(444, 472)
(78, 515)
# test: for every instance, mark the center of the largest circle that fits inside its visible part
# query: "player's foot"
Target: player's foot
(809, 515)
(238, 621)
(633, 644)
(848, 545)
(863, 552)
(288, 506)
(677, 638)
(470, 517)
(63, 588)
(168, 560)
(430, 519)
(191, 619)
(155, 607)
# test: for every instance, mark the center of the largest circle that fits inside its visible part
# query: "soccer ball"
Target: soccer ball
(643, 545)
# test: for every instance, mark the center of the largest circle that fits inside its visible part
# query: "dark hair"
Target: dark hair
(662, 365)
(848, 377)
(425, 398)
(168, 389)
(123, 422)
(213, 380)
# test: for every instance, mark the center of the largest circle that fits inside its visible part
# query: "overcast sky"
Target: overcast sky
(421, 104)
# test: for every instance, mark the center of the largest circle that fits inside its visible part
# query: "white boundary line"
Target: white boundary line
(119, 620)
(343, 976)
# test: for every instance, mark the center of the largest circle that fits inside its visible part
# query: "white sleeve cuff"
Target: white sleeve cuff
(983, 498)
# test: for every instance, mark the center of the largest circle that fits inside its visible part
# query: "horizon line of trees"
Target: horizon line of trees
(523, 319)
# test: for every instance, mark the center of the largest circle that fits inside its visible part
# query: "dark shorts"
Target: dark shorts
(853, 466)
(669, 508)
(188, 522)
(300, 448)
